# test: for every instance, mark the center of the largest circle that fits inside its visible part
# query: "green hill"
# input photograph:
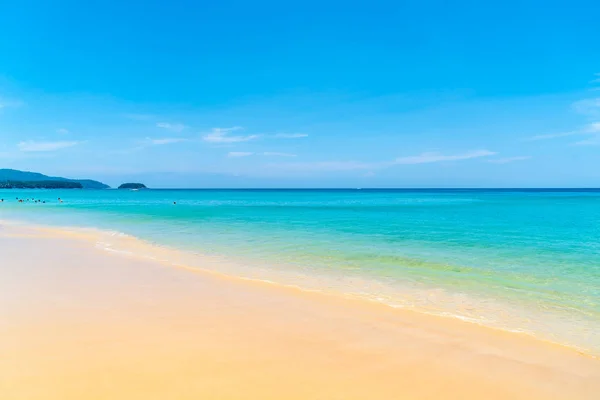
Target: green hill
(40, 185)
(14, 175)
(132, 186)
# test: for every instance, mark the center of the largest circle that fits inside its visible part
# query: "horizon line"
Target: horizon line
(364, 188)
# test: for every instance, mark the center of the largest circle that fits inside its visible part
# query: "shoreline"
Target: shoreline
(110, 319)
(141, 249)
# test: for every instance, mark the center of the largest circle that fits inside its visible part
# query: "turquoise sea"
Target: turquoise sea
(521, 260)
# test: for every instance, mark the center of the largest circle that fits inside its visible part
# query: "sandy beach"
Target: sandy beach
(78, 322)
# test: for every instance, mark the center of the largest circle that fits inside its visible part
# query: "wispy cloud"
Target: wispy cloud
(239, 154)
(432, 157)
(509, 159)
(223, 135)
(177, 127)
(328, 166)
(62, 131)
(587, 129)
(278, 154)
(161, 141)
(589, 107)
(289, 135)
(593, 141)
(423, 158)
(552, 136)
(592, 128)
(33, 146)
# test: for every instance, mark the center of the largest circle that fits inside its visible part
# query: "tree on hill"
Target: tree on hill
(25, 176)
(40, 185)
(132, 186)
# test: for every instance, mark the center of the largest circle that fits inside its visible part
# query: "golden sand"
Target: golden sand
(78, 323)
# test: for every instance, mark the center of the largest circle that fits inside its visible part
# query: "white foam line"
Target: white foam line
(360, 295)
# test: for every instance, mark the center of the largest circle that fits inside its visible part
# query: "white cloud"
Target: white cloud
(590, 107)
(432, 157)
(31, 146)
(552, 136)
(589, 128)
(290, 135)
(162, 141)
(277, 154)
(239, 154)
(222, 135)
(171, 127)
(592, 128)
(326, 166)
(593, 141)
(423, 158)
(62, 131)
(509, 159)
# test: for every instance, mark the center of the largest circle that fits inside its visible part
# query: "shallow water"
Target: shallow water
(519, 260)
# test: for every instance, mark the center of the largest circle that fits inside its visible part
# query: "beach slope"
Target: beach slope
(78, 322)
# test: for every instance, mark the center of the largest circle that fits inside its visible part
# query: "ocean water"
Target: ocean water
(520, 260)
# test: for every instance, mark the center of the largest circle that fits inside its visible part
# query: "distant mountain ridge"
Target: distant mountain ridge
(25, 176)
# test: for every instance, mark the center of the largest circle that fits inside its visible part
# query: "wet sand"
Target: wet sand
(78, 322)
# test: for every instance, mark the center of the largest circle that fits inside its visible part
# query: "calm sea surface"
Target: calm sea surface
(518, 260)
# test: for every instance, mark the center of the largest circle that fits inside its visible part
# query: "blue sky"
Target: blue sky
(314, 94)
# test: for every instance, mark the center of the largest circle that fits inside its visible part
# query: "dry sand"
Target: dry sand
(77, 322)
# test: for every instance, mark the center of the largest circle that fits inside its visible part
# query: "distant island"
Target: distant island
(133, 186)
(40, 185)
(15, 179)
